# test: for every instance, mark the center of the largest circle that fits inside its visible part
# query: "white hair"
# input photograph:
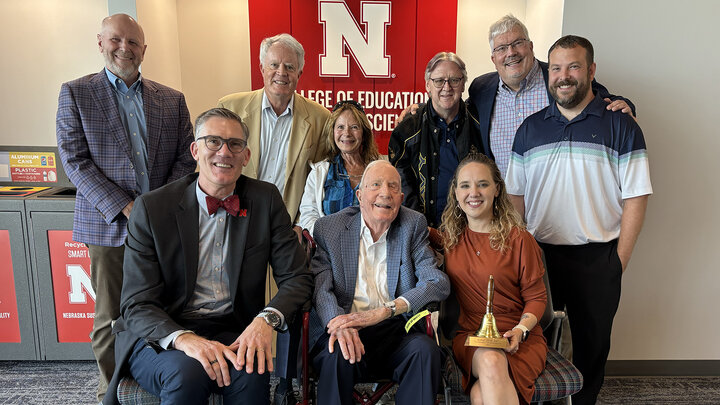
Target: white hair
(286, 40)
(503, 25)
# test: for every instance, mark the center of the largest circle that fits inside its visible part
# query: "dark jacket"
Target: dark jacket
(161, 258)
(413, 150)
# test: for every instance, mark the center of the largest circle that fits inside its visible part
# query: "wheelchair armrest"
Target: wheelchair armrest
(431, 306)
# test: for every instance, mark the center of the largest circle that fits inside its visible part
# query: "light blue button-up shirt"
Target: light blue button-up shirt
(130, 104)
(274, 143)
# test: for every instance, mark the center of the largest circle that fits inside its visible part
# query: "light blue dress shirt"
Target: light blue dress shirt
(130, 105)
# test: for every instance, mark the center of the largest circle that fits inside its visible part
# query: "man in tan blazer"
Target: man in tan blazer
(285, 136)
(285, 127)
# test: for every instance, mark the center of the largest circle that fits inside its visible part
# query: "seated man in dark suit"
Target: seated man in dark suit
(373, 266)
(196, 256)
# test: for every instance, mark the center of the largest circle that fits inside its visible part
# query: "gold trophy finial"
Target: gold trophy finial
(488, 335)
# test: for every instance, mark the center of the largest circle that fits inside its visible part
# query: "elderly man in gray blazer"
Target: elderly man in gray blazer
(373, 268)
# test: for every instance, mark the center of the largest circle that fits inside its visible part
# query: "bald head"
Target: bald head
(120, 19)
(122, 42)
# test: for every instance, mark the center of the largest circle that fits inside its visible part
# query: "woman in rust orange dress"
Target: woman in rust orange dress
(483, 235)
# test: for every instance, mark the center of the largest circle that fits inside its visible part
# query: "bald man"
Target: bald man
(119, 135)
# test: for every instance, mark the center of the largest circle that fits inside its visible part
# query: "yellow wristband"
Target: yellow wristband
(412, 321)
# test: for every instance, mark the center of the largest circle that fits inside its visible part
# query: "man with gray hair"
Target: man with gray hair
(373, 268)
(193, 314)
(502, 100)
(286, 126)
(427, 147)
(286, 129)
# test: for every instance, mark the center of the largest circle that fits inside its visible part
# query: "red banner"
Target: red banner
(374, 52)
(72, 291)
(9, 322)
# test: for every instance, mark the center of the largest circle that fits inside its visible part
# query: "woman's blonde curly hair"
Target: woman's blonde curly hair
(505, 217)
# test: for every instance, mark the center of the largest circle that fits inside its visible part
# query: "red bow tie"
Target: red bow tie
(230, 204)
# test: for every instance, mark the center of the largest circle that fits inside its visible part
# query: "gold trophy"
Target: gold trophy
(488, 335)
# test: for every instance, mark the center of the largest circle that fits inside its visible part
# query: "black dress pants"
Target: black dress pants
(413, 360)
(586, 279)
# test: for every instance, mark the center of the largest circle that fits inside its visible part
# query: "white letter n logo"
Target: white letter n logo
(340, 29)
(79, 280)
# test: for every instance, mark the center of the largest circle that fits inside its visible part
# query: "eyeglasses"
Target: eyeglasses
(516, 44)
(350, 102)
(215, 143)
(453, 82)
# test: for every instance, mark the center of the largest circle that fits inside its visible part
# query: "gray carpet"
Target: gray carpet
(48, 382)
(661, 390)
(74, 383)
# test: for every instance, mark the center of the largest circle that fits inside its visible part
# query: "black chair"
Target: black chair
(559, 380)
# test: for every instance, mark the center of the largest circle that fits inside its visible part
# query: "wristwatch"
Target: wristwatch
(524, 330)
(391, 305)
(271, 318)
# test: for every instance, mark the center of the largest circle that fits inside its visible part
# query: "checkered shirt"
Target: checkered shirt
(511, 109)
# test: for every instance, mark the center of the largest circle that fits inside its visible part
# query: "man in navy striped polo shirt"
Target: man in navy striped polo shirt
(579, 175)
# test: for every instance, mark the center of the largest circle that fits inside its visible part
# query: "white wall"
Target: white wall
(543, 19)
(44, 43)
(663, 56)
(159, 19)
(214, 50)
(199, 47)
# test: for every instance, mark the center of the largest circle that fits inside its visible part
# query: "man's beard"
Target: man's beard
(574, 99)
(126, 73)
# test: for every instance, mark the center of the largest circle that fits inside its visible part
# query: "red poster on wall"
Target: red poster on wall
(374, 52)
(72, 291)
(9, 322)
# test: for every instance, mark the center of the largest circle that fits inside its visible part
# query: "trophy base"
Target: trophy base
(497, 343)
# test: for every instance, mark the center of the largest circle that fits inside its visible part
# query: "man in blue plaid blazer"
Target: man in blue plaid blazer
(119, 135)
(373, 267)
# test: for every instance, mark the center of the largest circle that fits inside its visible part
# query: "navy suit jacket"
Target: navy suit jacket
(161, 259)
(411, 266)
(483, 90)
(96, 153)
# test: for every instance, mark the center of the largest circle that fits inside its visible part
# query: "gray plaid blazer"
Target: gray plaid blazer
(412, 271)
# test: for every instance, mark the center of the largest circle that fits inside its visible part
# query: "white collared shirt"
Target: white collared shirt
(274, 142)
(371, 287)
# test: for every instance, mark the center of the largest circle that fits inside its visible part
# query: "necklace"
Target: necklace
(470, 236)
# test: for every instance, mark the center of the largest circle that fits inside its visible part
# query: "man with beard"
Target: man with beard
(119, 135)
(582, 172)
(501, 100)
